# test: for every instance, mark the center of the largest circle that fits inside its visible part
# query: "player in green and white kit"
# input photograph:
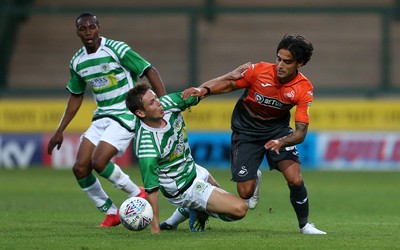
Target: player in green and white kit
(166, 164)
(110, 68)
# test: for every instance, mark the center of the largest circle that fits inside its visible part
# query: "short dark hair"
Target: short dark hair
(298, 46)
(134, 98)
(86, 14)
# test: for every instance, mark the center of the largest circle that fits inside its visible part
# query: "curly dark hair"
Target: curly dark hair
(298, 46)
(135, 95)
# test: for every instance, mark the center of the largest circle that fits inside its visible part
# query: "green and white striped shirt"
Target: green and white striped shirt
(110, 72)
(164, 154)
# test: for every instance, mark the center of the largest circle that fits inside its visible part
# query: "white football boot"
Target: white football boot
(252, 201)
(309, 228)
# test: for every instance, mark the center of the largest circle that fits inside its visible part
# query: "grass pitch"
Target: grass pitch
(45, 209)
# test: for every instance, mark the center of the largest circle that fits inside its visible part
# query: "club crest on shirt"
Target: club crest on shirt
(290, 95)
(178, 124)
(104, 67)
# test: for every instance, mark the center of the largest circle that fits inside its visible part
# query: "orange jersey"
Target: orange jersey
(267, 103)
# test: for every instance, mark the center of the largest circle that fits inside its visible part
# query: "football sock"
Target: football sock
(92, 187)
(119, 179)
(299, 200)
(180, 215)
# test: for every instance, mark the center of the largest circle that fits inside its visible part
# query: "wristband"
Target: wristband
(208, 90)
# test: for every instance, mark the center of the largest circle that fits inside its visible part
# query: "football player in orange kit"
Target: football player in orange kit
(260, 122)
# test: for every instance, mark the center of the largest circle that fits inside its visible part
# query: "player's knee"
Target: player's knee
(242, 211)
(80, 170)
(295, 182)
(245, 193)
(98, 165)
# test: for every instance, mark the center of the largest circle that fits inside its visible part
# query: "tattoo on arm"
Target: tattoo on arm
(297, 136)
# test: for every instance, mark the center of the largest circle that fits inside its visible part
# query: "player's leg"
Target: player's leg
(212, 181)
(298, 191)
(178, 216)
(114, 141)
(216, 200)
(298, 195)
(101, 161)
(246, 157)
(203, 199)
(228, 206)
(82, 170)
(181, 214)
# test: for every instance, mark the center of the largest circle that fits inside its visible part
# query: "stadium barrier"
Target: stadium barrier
(344, 134)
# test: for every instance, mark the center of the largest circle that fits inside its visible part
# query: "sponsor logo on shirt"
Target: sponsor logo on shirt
(179, 149)
(266, 101)
(102, 82)
(98, 82)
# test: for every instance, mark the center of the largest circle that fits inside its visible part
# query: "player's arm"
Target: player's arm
(294, 138)
(136, 63)
(149, 171)
(152, 198)
(74, 103)
(155, 80)
(219, 85)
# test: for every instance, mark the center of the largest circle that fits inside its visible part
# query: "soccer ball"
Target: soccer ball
(136, 213)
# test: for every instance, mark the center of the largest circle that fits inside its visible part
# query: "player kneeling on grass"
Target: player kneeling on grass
(166, 164)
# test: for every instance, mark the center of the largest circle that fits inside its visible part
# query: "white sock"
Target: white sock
(112, 210)
(99, 197)
(122, 181)
(180, 215)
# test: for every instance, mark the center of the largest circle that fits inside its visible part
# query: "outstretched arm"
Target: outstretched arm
(74, 103)
(219, 85)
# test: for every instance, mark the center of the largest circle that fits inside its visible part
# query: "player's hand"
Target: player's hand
(56, 140)
(155, 227)
(238, 73)
(274, 145)
(192, 91)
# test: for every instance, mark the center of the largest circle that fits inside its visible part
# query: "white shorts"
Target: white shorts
(197, 195)
(110, 131)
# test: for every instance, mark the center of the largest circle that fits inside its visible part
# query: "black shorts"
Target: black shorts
(248, 153)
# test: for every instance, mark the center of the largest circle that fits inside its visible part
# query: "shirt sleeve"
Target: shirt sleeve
(76, 84)
(134, 62)
(302, 113)
(174, 100)
(245, 81)
(149, 173)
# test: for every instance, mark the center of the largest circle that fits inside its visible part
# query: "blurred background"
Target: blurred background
(355, 117)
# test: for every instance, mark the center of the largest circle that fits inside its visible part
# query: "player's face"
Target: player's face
(287, 66)
(88, 30)
(153, 109)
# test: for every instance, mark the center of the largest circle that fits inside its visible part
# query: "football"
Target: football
(136, 213)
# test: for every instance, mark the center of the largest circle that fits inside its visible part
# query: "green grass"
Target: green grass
(45, 209)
